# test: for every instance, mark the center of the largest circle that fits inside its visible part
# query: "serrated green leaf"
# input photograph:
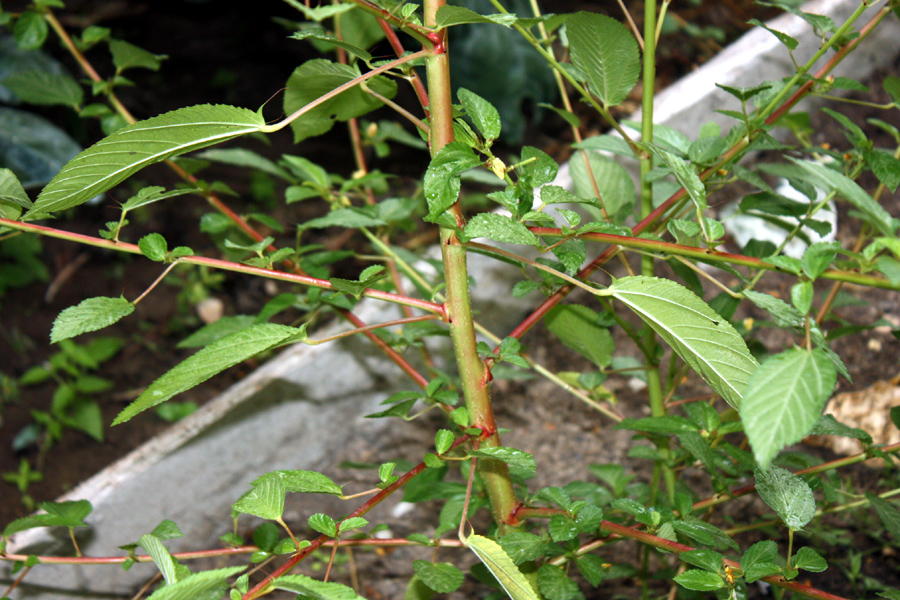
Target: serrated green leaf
(441, 577)
(482, 113)
(160, 555)
(522, 546)
(562, 528)
(265, 499)
(307, 482)
(809, 560)
(323, 524)
(45, 88)
(669, 424)
(606, 53)
(554, 584)
(760, 558)
(829, 179)
(892, 86)
(887, 512)
(802, 296)
(700, 581)
(213, 359)
(784, 38)
(708, 560)
(828, 425)
(702, 338)
(197, 585)
(448, 16)
(30, 30)
(352, 523)
(784, 399)
(501, 567)
(703, 532)
(89, 315)
(151, 194)
(885, 167)
(129, 56)
(216, 330)
(515, 458)
(592, 568)
(11, 191)
(442, 182)
(154, 247)
(787, 494)
(130, 149)
(685, 175)
(500, 228)
(315, 78)
(443, 439)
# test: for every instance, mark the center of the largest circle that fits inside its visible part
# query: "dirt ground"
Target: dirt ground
(547, 422)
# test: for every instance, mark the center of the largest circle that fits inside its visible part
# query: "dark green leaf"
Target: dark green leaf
(887, 512)
(313, 589)
(45, 88)
(606, 53)
(315, 78)
(30, 30)
(577, 327)
(447, 16)
(885, 167)
(670, 424)
(592, 567)
(442, 182)
(522, 546)
(443, 439)
(482, 113)
(828, 425)
(700, 581)
(319, 35)
(500, 228)
(708, 560)
(784, 38)
(554, 584)
(809, 560)
(562, 528)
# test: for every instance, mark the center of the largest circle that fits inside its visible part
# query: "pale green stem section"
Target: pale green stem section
(654, 381)
(473, 372)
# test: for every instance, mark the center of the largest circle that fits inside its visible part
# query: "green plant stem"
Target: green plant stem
(474, 374)
(648, 265)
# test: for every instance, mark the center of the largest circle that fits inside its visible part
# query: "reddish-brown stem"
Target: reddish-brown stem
(261, 587)
(415, 80)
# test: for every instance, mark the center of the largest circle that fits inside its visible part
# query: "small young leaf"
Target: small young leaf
(700, 336)
(606, 53)
(323, 524)
(441, 577)
(443, 439)
(809, 560)
(130, 149)
(129, 56)
(154, 247)
(442, 183)
(211, 360)
(700, 581)
(352, 523)
(500, 228)
(265, 499)
(784, 399)
(784, 38)
(685, 175)
(89, 315)
(562, 528)
(787, 494)
(802, 296)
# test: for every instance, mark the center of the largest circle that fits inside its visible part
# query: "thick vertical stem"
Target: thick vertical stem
(654, 383)
(474, 374)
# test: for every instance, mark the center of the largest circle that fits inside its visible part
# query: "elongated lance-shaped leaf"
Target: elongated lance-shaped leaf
(118, 156)
(699, 335)
(501, 567)
(197, 585)
(215, 358)
(89, 315)
(160, 555)
(784, 399)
